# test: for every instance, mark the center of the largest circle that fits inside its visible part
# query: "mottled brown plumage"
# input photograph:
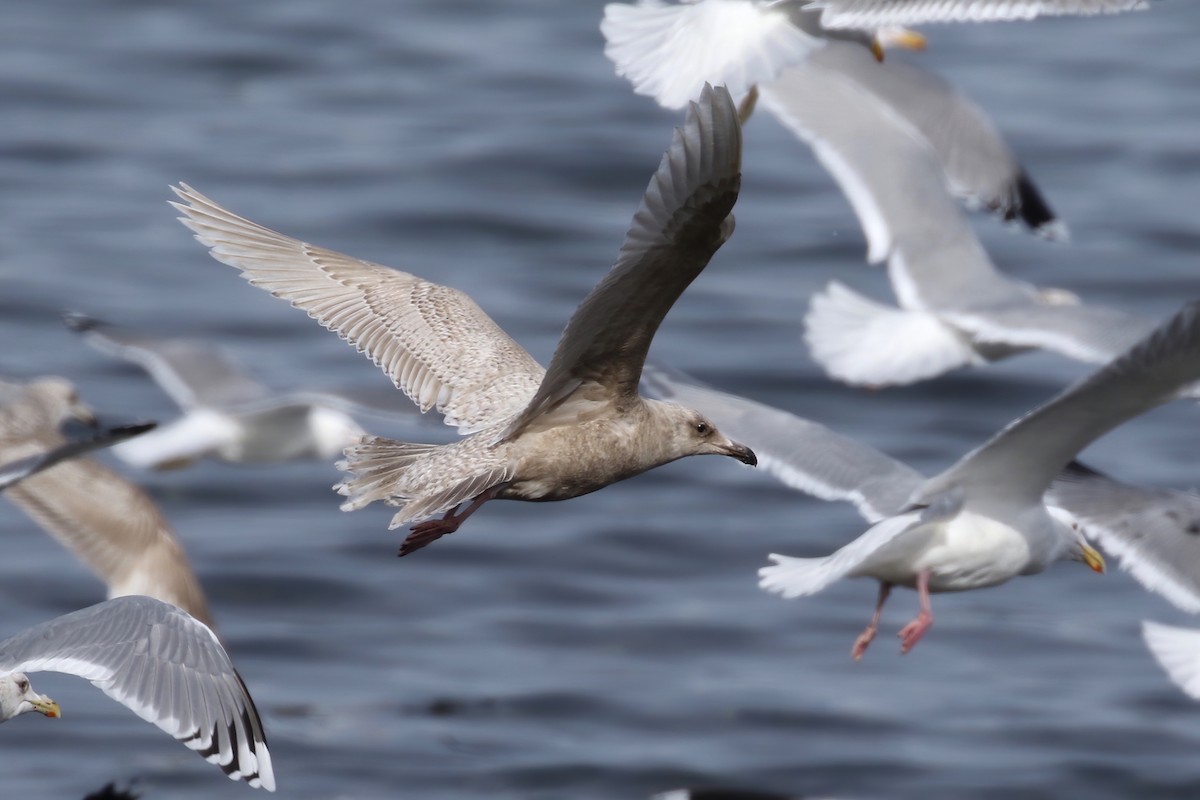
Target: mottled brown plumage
(537, 434)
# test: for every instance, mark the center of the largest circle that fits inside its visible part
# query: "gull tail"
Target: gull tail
(670, 51)
(861, 342)
(422, 479)
(798, 577)
(1178, 652)
(379, 469)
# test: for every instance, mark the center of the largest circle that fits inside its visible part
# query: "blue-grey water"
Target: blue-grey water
(614, 645)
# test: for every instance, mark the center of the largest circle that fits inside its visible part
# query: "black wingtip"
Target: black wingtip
(1035, 211)
(133, 429)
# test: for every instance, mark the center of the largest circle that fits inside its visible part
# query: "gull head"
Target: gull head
(690, 433)
(18, 697)
(47, 401)
(1076, 546)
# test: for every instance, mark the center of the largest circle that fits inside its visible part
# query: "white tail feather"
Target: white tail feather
(859, 341)
(669, 51)
(1178, 652)
(797, 577)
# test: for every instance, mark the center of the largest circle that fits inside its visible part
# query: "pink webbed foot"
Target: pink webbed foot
(863, 642)
(911, 633)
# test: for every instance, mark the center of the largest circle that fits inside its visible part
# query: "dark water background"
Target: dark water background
(614, 645)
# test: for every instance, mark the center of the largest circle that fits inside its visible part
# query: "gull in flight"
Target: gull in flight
(955, 308)
(105, 520)
(668, 50)
(979, 523)
(158, 661)
(228, 415)
(536, 434)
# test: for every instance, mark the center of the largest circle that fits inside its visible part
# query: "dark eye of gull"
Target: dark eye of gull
(703, 428)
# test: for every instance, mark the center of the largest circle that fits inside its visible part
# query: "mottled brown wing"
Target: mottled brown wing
(434, 342)
(109, 524)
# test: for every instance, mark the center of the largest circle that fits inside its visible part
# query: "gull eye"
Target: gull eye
(703, 428)
(23, 685)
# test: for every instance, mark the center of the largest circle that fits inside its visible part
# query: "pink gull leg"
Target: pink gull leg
(434, 529)
(867, 636)
(911, 633)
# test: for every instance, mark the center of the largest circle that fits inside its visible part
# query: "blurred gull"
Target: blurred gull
(164, 665)
(227, 414)
(955, 309)
(669, 51)
(107, 522)
(981, 522)
(538, 434)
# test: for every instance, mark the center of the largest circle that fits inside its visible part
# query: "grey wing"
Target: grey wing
(1154, 533)
(893, 180)
(164, 665)
(682, 221)
(112, 526)
(1093, 334)
(17, 470)
(881, 13)
(434, 342)
(1020, 461)
(802, 454)
(977, 161)
(192, 373)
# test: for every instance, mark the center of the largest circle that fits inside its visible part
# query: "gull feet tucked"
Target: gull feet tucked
(427, 532)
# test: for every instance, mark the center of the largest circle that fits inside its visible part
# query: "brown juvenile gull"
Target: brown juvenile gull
(979, 523)
(153, 658)
(106, 521)
(537, 434)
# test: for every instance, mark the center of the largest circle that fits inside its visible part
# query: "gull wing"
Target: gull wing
(1018, 463)
(17, 470)
(883, 13)
(977, 161)
(892, 178)
(434, 342)
(670, 51)
(164, 665)
(1154, 533)
(192, 373)
(682, 221)
(1177, 651)
(801, 454)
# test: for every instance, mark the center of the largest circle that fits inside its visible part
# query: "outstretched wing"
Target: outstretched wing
(192, 373)
(164, 665)
(883, 13)
(1021, 460)
(434, 342)
(1154, 533)
(802, 454)
(683, 219)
